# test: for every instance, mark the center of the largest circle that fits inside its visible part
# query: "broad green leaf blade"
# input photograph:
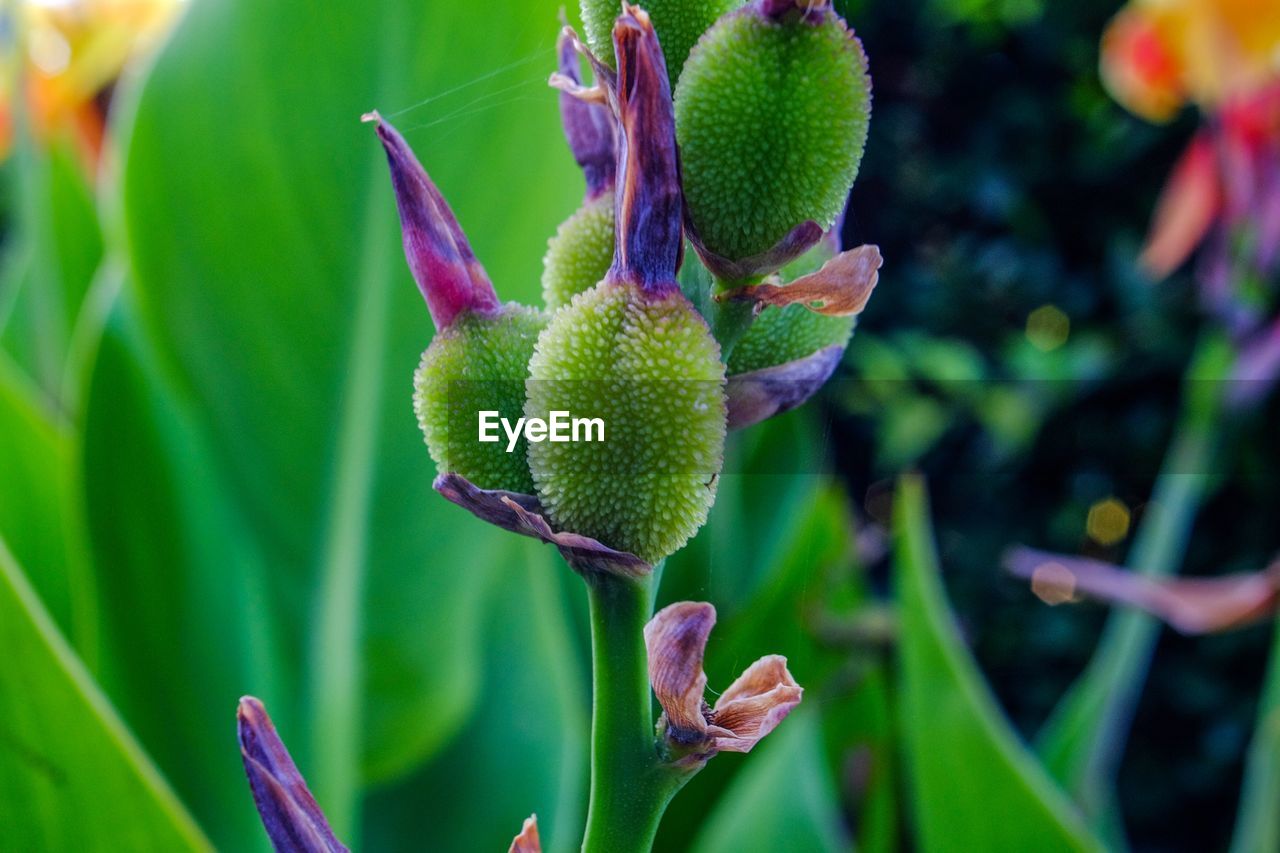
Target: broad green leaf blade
(973, 785)
(525, 750)
(57, 246)
(269, 270)
(71, 775)
(183, 595)
(1083, 740)
(783, 800)
(1258, 821)
(36, 515)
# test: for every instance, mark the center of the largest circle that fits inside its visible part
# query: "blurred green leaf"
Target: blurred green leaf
(1258, 821)
(783, 800)
(35, 505)
(525, 751)
(183, 595)
(269, 272)
(71, 775)
(55, 251)
(973, 785)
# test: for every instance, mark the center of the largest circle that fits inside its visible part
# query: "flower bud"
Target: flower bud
(771, 114)
(582, 249)
(632, 350)
(479, 358)
(289, 813)
(679, 24)
(690, 731)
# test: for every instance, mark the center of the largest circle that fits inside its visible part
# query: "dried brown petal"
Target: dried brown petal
(289, 813)
(523, 514)
(676, 640)
(840, 289)
(755, 704)
(1190, 605)
(760, 394)
(527, 841)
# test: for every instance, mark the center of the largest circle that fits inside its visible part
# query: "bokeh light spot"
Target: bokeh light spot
(1108, 522)
(1048, 327)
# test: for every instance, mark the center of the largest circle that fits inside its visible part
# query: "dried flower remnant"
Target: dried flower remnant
(1190, 605)
(690, 730)
(633, 350)
(479, 357)
(582, 249)
(527, 841)
(772, 112)
(679, 24)
(289, 813)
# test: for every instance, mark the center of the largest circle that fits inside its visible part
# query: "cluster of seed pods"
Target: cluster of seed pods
(737, 130)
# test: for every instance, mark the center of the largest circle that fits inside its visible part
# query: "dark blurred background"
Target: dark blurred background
(1009, 194)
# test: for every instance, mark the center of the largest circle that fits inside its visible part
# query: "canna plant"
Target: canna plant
(645, 348)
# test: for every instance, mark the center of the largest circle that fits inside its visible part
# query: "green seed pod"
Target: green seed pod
(771, 115)
(579, 254)
(679, 24)
(633, 351)
(479, 358)
(479, 363)
(780, 335)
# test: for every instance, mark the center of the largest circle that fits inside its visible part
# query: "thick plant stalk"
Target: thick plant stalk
(630, 785)
(1082, 742)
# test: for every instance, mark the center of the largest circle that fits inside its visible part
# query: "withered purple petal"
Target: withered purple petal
(811, 11)
(840, 289)
(760, 394)
(439, 256)
(523, 514)
(289, 813)
(754, 704)
(589, 127)
(795, 243)
(676, 641)
(649, 204)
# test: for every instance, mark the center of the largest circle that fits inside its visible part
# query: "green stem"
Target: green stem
(1082, 742)
(630, 787)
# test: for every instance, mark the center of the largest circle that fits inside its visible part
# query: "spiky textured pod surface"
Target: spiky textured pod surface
(679, 24)
(771, 116)
(648, 366)
(479, 362)
(579, 254)
(780, 335)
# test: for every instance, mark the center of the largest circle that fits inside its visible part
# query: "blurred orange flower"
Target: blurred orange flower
(73, 50)
(1224, 57)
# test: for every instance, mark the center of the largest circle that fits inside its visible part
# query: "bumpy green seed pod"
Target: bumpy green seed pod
(633, 351)
(771, 114)
(479, 358)
(478, 363)
(679, 24)
(580, 253)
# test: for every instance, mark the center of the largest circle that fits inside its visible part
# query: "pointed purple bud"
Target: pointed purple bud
(440, 258)
(588, 126)
(811, 11)
(650, 233)
(292, 819)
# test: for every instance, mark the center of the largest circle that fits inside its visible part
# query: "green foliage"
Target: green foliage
(648, 366)
(952, 725)
(579, 254)
(477, 364)
(784, 800)
(73, 778)
(771, 118)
